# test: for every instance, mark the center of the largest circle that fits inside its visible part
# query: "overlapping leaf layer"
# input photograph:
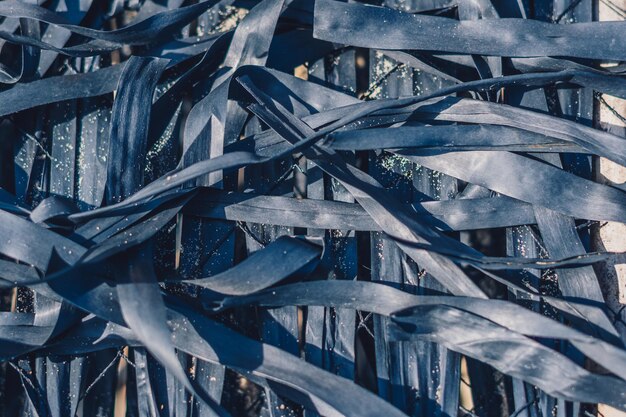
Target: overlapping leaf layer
(307, 207)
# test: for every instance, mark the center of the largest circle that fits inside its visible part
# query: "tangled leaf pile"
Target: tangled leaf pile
(308, 208)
